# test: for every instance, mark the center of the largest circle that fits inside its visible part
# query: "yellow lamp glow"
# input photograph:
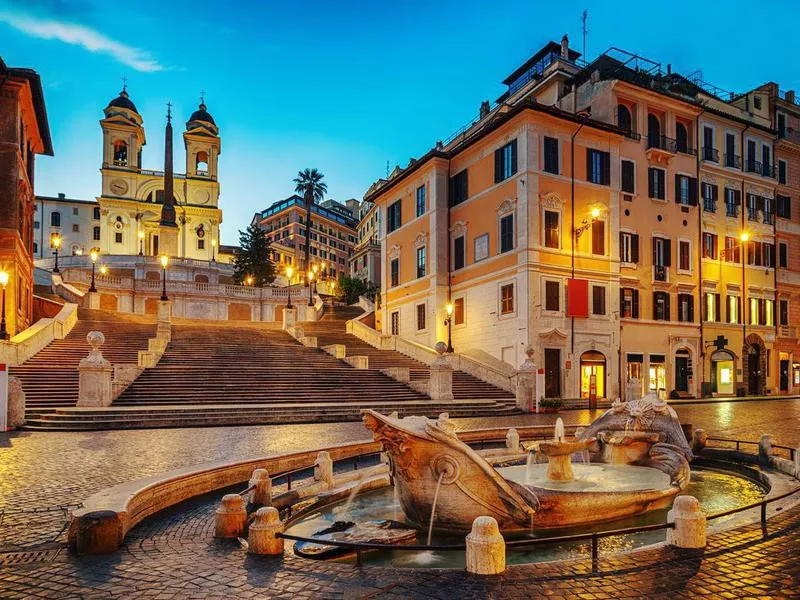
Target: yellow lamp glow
(744, 236)
(56, 241)
(103, 269)
(214, 243)
(141, 235)
(164, 260)
(93, 255)
(249, 280)
(449, 308)
(4, 278)
(310, 275)
(78, 252)
(595, 213)
(289, 272)
(314, 268)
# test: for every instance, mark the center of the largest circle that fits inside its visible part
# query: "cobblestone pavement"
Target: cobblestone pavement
(45, 475)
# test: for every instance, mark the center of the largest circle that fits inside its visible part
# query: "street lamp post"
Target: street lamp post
(449, 321)
(56, 243)
(213, 250)
(93, 255)
(310, 276)
(4, 283)
(289, 288)
(164, 263)
(141, 242)
(744, 310)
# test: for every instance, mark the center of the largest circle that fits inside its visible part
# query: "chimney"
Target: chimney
(61, 195)
(484, 108)
(669, 69)
(789, 96)
(565, 47)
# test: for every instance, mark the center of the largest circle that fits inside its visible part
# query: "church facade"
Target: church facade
(132, 197)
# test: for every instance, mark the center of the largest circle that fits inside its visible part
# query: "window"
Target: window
(685, 308)
(783, 312)
(781, 118)
(733, 309)
(628, 247)
(76, 227)
(118, 237)
(420, 317)
(709, 152)
(458, 188)
(396, 323)
(551, 296)
(624, 120)
(420, 200)
(120, 153)
(35, 248)
(684, 255)
(709, 245)
(710, 193)
(458, 253)
(96, 233)
(784, 206)
(75, 211)
(661, 306)
(421, 262)
(36, 224)
(754, 311)
(768, 255)
(507, 299)
(628, 177)
(712, 307)
(506, 233)
(505, 161)
(769, 313)
(782, 172)
(96, 213)
(481, 249)
(656, 183)
(393, 219)
(629, 303)
(551, 229)
(394, 270)
(783, 255)
(599, 237)
(598, 166)
(757, 102)
(732, 200)
(55, 219)
(551, 155)
(458, 311)
(685, 190)
(681, 138)
(598, 300)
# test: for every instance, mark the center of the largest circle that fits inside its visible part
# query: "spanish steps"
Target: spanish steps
(223, 373)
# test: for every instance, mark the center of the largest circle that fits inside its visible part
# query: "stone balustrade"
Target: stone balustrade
(28, 342)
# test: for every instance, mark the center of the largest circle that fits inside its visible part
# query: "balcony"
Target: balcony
(709, 205)
(768, 170)
(752, 214)
(768, 218)
(733, 160)
(633, 135)
(660, 273)
(763, 169)
(731, 210)
(711, 154)
(753, 166)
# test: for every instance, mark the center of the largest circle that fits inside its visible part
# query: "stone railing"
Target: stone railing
(45, 308)
(414, 350)
(67, 291)
(124, 376)
(26, 343)
(366, 304)
(367, 334)
(485, 368)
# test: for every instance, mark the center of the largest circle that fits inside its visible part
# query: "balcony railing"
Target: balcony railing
(711, 154)
(660, 273)
(752, 214)
(709, 205)
(662, 142)
(733, 160)
(633, 135)
(731, 210)
(768, 170)
(769, 218)
(752, 166)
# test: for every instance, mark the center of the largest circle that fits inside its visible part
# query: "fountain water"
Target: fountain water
(559, 430)
(353, 493)
(433, 506)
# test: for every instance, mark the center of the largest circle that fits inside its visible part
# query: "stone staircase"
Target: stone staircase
(229, 374)
(331, 330)
(50, 377)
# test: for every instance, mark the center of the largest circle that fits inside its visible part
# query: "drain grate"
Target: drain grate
(33, 556)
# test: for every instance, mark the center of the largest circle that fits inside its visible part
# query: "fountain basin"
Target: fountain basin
(627, 447)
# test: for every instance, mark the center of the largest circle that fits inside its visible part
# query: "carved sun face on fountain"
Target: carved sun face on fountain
(641, 412)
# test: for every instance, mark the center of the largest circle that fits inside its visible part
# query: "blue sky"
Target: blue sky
(341, 86)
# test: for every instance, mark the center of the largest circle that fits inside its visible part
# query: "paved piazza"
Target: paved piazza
(44, 475)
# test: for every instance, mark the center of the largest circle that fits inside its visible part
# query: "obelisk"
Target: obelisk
(168, 228)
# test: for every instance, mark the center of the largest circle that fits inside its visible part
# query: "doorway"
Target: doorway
(552, 373)
(754, 370)
(783, 372)
(593, 375)
(722, 372)
(682, 371)
(155, 245)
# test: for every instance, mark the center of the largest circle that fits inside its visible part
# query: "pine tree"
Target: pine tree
(253, 259)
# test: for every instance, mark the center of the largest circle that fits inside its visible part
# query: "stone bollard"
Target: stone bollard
(261, 537)
(94, 300)
(765, 450)
(526, 383)
(231, 517)
(262, 494)
(289, 318)
(95, 374)
(690, 523)
(486, 548)
(440, 385)
(699, 440)
(512, 440)
(16, 403)
(323, 468)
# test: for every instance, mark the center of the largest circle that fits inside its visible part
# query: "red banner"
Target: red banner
(578, 298)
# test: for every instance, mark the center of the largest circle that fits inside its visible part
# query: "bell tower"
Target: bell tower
(202, 143)
(123, 134)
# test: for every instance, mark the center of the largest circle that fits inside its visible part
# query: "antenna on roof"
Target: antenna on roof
(387, 169)
(585, 30)
(124, 84)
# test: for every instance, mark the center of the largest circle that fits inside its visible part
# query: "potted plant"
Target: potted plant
(550, 405)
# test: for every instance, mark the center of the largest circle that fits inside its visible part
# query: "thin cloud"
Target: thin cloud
(85, 37)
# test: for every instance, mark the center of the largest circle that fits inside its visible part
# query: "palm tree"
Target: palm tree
(309, 184)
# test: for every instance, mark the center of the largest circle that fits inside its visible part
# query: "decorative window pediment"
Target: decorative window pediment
(394, 252)
(420, 240)
(550, 200)
(507, 206)
(458, 228)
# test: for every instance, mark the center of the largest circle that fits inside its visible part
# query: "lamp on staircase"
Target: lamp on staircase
(4, 283)
(93, 255)
(289, 287)
(310, 289)
(164, 263)
(55, 241)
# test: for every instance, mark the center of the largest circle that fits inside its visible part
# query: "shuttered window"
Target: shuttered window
(458, 253)
(458, 188)
(598, 166)
(598, 300)
(551, 292)
(628, 183)
(551, 155)
(599, 237)
(656, 183)
(505, 161)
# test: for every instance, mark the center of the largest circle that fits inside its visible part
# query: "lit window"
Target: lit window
(507, 299)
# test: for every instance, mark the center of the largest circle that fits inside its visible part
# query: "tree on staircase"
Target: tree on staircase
(253, 259)
(350, 288)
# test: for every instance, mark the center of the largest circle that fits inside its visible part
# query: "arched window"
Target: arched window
(120, 153)
(653, 131)
(55, 219)
(201, 163)
(624, 118)
(201, 278)
(681, 137)
(593, 374)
